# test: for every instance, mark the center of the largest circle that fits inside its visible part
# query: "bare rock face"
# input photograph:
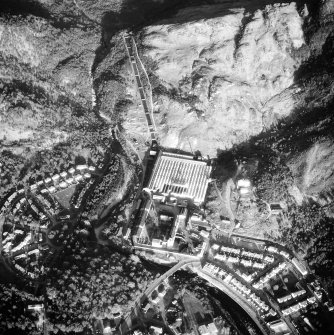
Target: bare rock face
(313, 170)
(220, 75)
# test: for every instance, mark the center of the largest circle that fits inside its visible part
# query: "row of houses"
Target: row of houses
(244, 262)
(24, 271)
(243, 253)
(252, 254)
(10, 200)
(252, 298)
(63, 180)
(280, 267)
(290, 296)
(296, 307)
(275, 250)
(50, 207)
(229, 250)
(19, 205)
(58, 181)
(77, 199)
(7, 240)
(236, 285)
(22, 244)
(36, 210)
(295, 262)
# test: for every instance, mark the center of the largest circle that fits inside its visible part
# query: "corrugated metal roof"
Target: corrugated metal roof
(181, 175)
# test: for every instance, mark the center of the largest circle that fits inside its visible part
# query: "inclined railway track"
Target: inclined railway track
(132, 51)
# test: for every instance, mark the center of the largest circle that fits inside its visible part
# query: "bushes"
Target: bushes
(109, 183)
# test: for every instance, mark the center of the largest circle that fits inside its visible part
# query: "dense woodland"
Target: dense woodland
(13, 313)
(88, 284)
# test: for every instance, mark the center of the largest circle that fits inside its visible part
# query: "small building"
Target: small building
(78, 177)
(284, 254)
(63, 184)
(81, 167)
(69, 180)
(294, 308)
(272, 249)
(244, 187)
(33, 187)
(284, 298)
(91, 168)
(156, 243)
(244, 191)
(36, 307)
(279, 327)
(269, 259)
(246, 263)
(12, 197)
(243, 183)
(205, 233)
(159, 198)
(298, 293)
(52, 189)
(127, 235)
(153, 153)
(56, 177)
(71, 171)
(311, 300)
(276, 208)
(303, 304)
(63, 174)
(208, 329)
(258, 265)
(156, 330)
(87, 175)
(161, 290)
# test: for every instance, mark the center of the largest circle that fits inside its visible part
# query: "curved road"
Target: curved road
(224, 288)
(127, 322)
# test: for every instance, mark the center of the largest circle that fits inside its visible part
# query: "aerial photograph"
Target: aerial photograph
(166, 167)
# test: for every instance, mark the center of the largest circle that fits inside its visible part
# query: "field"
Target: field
(65, 196)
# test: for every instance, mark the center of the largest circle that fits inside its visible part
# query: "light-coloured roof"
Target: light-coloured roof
(180, 175)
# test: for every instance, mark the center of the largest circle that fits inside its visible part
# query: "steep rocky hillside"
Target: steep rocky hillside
(222, 74)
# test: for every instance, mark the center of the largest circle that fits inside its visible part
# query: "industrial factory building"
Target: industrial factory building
(180, 176)
(177, 183)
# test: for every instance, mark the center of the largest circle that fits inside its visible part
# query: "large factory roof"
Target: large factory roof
(180, 175)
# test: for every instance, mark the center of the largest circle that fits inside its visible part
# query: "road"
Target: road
(132, 51)
(226, 202)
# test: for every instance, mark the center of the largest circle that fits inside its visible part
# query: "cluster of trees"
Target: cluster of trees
(10, 167)
(92, 283)
(272, 182)
(312, 234)
(109, 184)
(89, 133)
(14, 316)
